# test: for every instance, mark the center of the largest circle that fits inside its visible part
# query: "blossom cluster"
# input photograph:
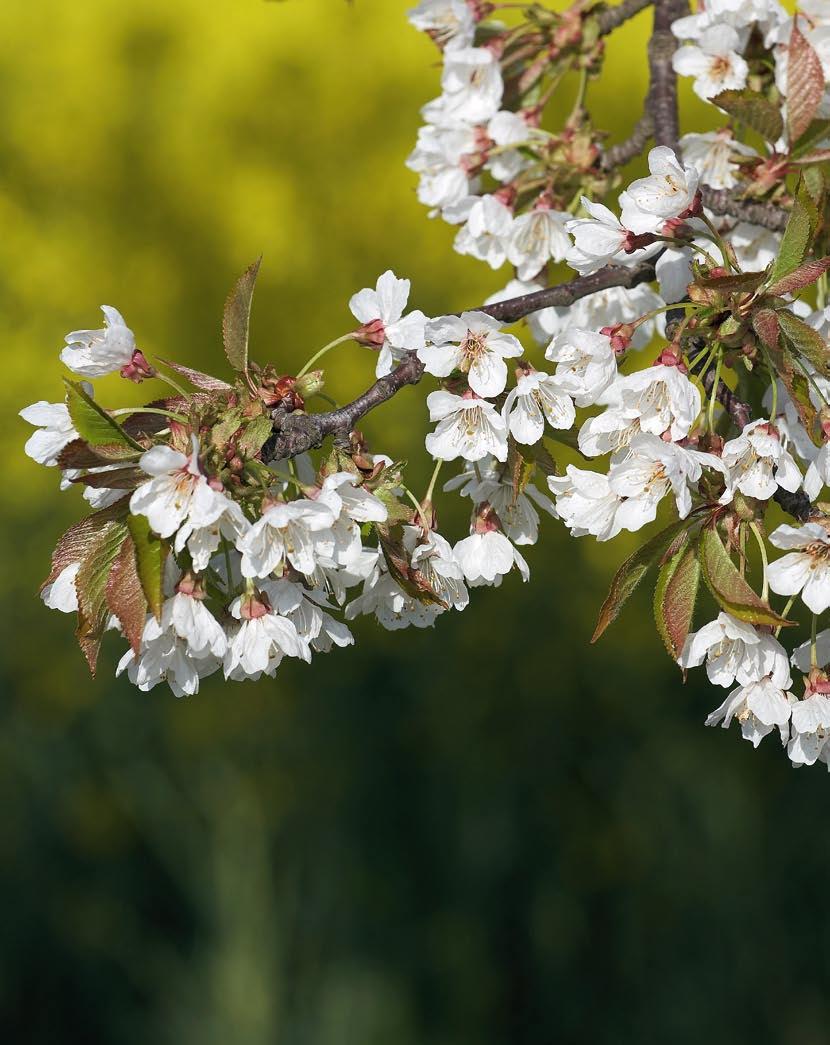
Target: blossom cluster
(689, 385)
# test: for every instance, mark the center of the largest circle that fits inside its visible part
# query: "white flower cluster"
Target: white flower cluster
(469, 139)
(254, 564)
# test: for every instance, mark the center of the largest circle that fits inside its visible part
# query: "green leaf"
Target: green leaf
(798, 235)
(798, 389)
(805, 84)
(753, 110)
(257, 433)
(125, 597)
(815, 185)
(91, 585)
(804, 276)
(222, 431)
(817, 132)
(805, 341)
(94, 424)
(730, 590)
(237, 318)
(632, 571)
(150, 552)
(675, 596)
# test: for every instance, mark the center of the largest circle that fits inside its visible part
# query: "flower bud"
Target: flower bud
(309, 384)
(138, 369)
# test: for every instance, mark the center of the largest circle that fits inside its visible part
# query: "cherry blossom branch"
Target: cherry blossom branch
(614, 17)
(768, 215)
(661, 103)
(296, 433)
(619, 155)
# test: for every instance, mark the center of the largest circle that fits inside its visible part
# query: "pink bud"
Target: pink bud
(372, 335)
(138, 369)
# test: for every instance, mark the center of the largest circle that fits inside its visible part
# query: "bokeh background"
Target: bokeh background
(485, 833)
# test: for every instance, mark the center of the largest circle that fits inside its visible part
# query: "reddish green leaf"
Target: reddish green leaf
(765, 324)
(237, 318)
(675, 597)
(632, 571)
(125, 596)
(197, 378)
(753, 110)
(112, 479)
(817, 132)
(798, 236)
(79, 454)
(150, 552)
(730, 590)
(806, 342)
(91, 585)
(73, 545)
(805, 84)
(804, 276)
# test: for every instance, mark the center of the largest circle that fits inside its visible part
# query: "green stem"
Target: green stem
(433, 480)
(785, 613)
(714, 393)
(418, 508)
(323, 350)
(148, 410)
(718, 240)
(762, 549)
(168, 380)
(813, 646)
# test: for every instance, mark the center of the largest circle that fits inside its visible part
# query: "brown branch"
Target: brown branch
(619, 155)
(298, 432)
(768, 215)
(662, 93)
(613, 17)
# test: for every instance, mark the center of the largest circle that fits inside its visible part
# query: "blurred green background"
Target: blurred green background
(485, 833)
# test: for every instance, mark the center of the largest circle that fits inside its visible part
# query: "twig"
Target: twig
(769, 215)
(614, 17)
(298, 432)
(662, 93)
(620, 154)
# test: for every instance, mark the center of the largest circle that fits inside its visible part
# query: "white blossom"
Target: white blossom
(712, 154)
(668, 192)
(468, 427)
(586, 364)
(472, 87)
(537, 398)
(487, 557)
(714, 62)
(648, 469)
(806, 568)
(438, 158)
(757, 463)
(516, 509)
(384, 308)
(95, 353)
(486, 232)
(586, 503)
(735, 651)
(449, 22)
(810, 730)
(60, 594)
(286, 532)
(537, 237)
(165, 657)
(433, 556)
(659, 400)
(598, 239)
(258, 643)
(474, 344)
(383, 598)
(55, 431)
(759, 707)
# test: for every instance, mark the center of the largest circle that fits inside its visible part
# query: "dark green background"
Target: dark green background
(489, 832)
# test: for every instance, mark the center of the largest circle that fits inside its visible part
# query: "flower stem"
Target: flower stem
(148, 410)
(813, 646)
(431, 488)
(714, 394)
(418, 508)
(762, 548)
(168, 380)
(322, 352)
